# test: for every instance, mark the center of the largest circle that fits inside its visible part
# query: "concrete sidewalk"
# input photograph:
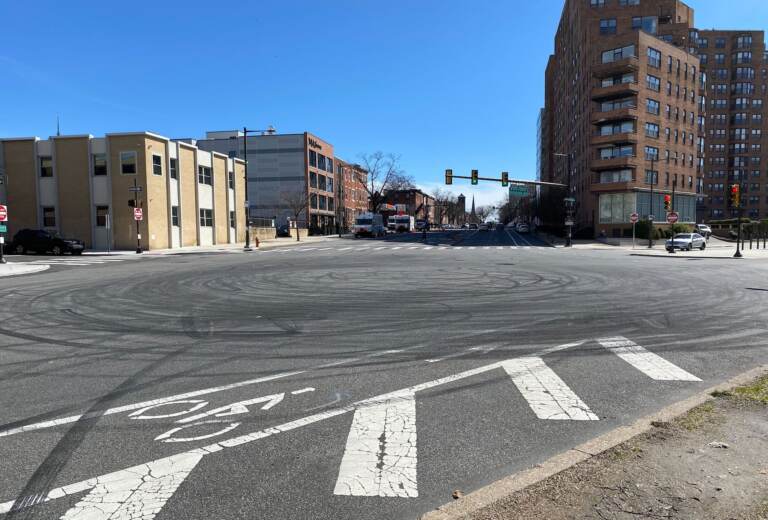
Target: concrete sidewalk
(14, 269)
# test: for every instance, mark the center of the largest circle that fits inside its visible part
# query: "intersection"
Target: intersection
(338, 380)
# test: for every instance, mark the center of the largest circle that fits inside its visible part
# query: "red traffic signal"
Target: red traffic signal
(667, 203)
(735, 195)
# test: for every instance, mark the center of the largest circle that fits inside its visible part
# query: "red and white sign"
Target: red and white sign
(138, 214)
(672, 217)
(634, 217)
(3, 213)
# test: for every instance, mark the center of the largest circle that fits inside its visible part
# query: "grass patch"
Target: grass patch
(697, 417)
(755, 391)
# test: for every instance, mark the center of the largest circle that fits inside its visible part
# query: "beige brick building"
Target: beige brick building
(80, 186)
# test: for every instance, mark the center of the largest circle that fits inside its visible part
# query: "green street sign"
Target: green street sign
(518, 190)
(3, 228)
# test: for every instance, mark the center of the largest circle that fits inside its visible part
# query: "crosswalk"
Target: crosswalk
(380, 457)
(402, 248)
(80, 261)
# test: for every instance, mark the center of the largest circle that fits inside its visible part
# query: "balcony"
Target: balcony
(615, 91)
(603, 70)
(622, 138)
(614, 163)
(619, 114)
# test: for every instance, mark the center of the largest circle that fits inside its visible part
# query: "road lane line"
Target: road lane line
(380, 454)
(547, 395)
(483, 349)
(426, 248)
(510, 236)
(396, 248)
(345, 249)
(652, 365)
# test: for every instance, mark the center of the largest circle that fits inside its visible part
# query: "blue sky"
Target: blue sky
(442, 83)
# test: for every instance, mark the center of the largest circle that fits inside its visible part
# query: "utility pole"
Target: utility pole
(650, 204)
(137, 190)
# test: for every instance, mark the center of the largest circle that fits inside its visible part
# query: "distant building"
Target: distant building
(461, 202)
(414, 202)
(80, 186)
(280, 166)
(351, 194)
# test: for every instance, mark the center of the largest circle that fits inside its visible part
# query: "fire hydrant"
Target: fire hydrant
(256, 241)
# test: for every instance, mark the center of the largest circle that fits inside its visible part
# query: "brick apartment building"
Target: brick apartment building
(80, 187)
(647, 85)
(737, 77)
(415, 202)
(352, 195)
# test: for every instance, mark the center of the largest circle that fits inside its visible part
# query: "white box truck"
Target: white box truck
(401, 223)
(369, 224)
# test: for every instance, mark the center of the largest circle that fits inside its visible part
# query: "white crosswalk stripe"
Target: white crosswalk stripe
(652, 365)
(547, 395)
(380, 455)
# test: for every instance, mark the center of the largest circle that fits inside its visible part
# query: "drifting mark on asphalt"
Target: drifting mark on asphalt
(652, 365)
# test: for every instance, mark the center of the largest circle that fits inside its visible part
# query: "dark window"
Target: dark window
(321, 184)
(175, 216)
(645, 23)
(204, 175)
(654, 57)
(312, 180)
(608, 26)
(654, 83)
(597, 3)
(720, 43)
(49, 217)
(206, 218)
(157, 164)
(652, 106)
(231, 180)
(313, 158)
(99, 164)
(128, 163)
(232, 219)
(46, 167)
(102, 216)
(321, 161)
(174, 168)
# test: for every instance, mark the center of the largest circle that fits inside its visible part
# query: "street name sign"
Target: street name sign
(138, 214)
(518, 190)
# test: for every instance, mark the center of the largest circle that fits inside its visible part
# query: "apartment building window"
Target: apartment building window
(653, 83)
(157, 164)
(703, 43)
(629, 2)
(740, 103)
(204, 175)
(704, 59)
(46, 167)
(720, 43)
(613, 152)
(654, 58)
(49, 216)
(667, 133)
(669, 88)
(331, 204)
(232, 220)
(624, 127)
(744, 42)
(618, 54)
(321, 161)
(321, 182)
(651, 153)
(720, 59)
(721, 73)
(312, 180)
(651, 177)
(313, 158)
(756, 135)
(719, 104)
(742, 57)
(617, 80)
(652, 106)
(175, 216)
(329, 165)
(645, 23)
(608, 106)
(652, 130)
(99, 164)
(322, 202)
(719, 88)
(330, 184)
(743, 88)
(612, 176)
(102, 216)
(128, 163)
(757, 104)
(757, 119)
(206, 218)
(668, 111)
(608, 26)
(744, 73)
(174, 168)
(597, 3)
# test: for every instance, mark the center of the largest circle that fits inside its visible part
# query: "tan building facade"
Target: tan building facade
(87, 187)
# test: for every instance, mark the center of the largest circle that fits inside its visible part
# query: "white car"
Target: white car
(687, 241)
(523, 228)
(703, 229)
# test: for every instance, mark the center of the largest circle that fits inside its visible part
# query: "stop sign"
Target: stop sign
(672, 217)
(3, 213)
(634, 217)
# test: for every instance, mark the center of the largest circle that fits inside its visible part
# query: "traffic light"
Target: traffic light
(449, 177)
(474, 176)
(735, 196)
(667, 203)
(504, 179)
(131, 203)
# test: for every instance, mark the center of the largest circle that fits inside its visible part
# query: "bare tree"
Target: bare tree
(483, 212)
(296, 201)
(384, 174)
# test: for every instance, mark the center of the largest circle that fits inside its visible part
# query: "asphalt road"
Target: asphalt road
(350, 379)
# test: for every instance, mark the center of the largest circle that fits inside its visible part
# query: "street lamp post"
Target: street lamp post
(650, 204)
(570, 199)
(246, 131)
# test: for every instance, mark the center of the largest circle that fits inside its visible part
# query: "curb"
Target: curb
(38, 268)
(486, 496)
(677, 255)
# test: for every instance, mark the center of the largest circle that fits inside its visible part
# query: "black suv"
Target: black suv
(41, 241)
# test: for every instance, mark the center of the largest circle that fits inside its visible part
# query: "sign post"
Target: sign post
(3, 229)
(138, 214)
(634, 217)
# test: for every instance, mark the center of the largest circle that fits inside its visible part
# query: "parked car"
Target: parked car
(523, 228)
(473, 226)
(687, 241)
(703, 229)
(42, 241)
(483, 227)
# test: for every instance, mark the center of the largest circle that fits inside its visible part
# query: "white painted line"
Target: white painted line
(459, 247)
(499, 247)
(139, 492)
(396, 248)
(547, 395)
(486, 247)
(324, 248)
(345, 249)
(378, 248)
(159, 467)
(441, 248)
(652, 365)
(380, 455)
(471, 247)
(484, 349)
(413, 247)
(303, 391)
(144, 404)
(426, 248)
(510, 236)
